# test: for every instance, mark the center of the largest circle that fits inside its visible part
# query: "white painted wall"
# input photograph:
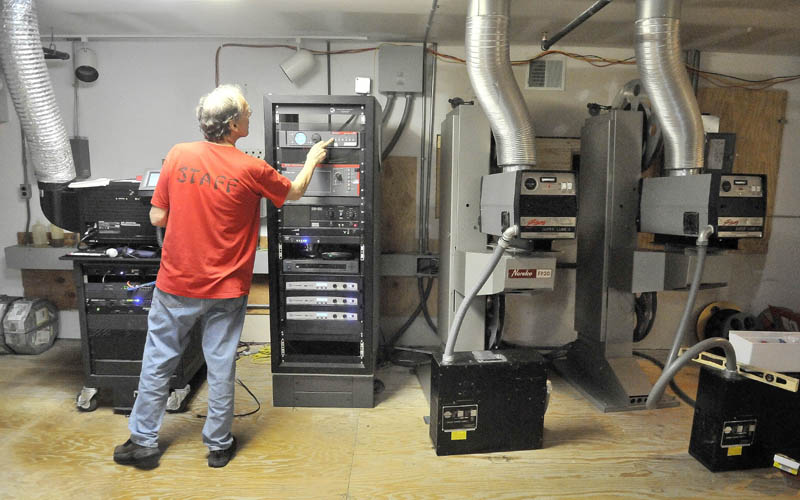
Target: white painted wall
(145, 98)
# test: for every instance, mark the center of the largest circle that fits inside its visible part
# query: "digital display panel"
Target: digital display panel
(152, 179)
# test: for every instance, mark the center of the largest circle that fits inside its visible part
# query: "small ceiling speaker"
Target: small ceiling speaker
(299, 65)
(85, 64)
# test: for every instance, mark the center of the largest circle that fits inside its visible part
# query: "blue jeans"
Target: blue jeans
(168, 324)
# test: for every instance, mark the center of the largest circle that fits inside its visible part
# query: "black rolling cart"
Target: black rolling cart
(113, 302)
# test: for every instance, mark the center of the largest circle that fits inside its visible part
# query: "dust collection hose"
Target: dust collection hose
(674, 364)
(23, 66)
(486, 43)
(452, 335)
(659, 58)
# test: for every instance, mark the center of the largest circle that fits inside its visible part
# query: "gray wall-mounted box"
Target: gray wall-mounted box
(3, 102)
(400, 68)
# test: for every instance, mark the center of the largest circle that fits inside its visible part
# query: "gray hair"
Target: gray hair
(218, 109)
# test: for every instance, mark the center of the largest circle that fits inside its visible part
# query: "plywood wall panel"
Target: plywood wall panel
(756, 117)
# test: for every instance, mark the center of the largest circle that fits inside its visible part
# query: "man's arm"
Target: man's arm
(315, 155)
(158, 216)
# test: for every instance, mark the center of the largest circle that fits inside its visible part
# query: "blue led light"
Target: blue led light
(138, 301)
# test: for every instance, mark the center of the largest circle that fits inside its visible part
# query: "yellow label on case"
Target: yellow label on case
(784, 468)
(734, 451)
(458, 435)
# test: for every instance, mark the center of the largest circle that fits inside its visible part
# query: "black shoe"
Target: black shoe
(141, 457)
(220, 458)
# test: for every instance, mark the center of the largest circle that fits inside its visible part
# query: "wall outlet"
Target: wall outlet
(25, 191)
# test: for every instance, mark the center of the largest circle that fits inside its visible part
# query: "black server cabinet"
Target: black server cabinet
(113, 323)
(324, 252)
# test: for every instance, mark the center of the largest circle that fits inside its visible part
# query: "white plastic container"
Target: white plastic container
(776, 351)
(56, 236)
(39, 231)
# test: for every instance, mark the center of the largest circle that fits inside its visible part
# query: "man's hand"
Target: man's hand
(318, 152)
(315, 155)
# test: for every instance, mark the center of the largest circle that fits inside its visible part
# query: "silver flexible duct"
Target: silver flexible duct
(22, 63)
(489, 68)
(661, 68)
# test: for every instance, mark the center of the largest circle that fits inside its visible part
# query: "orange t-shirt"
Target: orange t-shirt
(212, 193)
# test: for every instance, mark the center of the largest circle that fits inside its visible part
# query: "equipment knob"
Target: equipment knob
(338, 176)
(530, 183)
(316, 137)
(726, 186)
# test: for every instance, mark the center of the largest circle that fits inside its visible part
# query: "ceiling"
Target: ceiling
(743, 26)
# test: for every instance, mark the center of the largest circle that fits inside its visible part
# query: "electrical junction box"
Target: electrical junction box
(513, 273)
(400, 68)
(363, 85)
(543, 204)
(777, 351)
(488, 401)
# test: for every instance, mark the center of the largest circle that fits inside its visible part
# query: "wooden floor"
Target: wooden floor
(50, 450)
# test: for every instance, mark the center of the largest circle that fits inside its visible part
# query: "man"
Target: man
(208, 197)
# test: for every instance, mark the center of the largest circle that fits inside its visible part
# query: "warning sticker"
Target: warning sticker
(458, 435)
(459, 418)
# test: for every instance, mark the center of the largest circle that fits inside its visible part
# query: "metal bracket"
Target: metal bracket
(85, 397)
(404, 264)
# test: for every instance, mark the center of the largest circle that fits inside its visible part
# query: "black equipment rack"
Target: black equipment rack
(324, 252)
(113, 323)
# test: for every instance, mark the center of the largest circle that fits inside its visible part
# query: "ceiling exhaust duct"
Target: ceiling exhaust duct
(663, 73)
(489, 68)
(22, 63)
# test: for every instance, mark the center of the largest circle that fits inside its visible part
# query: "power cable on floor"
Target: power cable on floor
(672, 385)
(239, 381)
